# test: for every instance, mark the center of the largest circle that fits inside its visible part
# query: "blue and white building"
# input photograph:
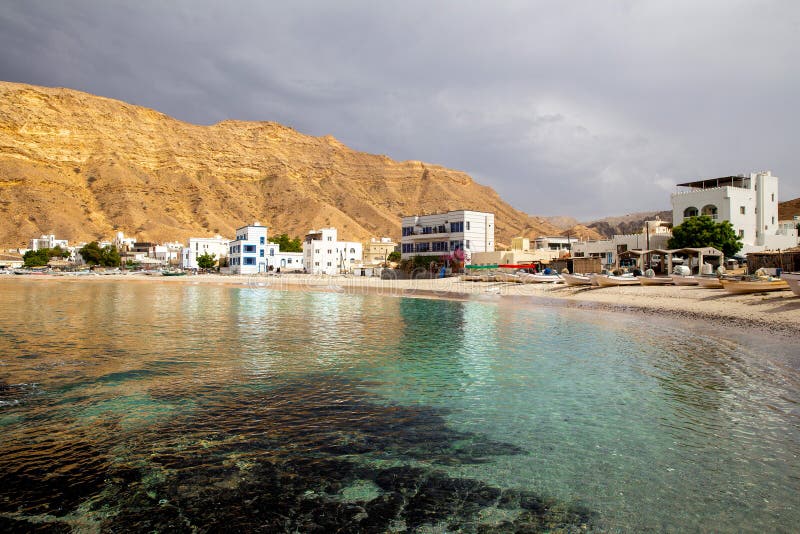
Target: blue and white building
(247, 254)
(252, 253)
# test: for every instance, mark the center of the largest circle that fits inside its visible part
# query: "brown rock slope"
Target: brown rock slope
(83, 166)
(789, 209)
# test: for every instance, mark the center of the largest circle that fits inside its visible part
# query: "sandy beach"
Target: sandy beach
(777, 312)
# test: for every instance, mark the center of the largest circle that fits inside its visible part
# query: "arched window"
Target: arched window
(710, 210)
(691, 211)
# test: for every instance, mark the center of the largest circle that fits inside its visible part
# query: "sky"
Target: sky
(579, 108)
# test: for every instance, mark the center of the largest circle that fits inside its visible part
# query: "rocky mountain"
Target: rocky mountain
(84, 167)
(789, 209)
(627, 224)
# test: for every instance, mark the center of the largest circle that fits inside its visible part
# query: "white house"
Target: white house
(749, 203)
(323, 253)
(47, 241)
(247, 254)
(199, 246)
(442, 233)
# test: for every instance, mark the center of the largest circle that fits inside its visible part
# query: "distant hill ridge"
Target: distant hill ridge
(84, 167)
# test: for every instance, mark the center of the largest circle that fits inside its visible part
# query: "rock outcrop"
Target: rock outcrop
(84, 167)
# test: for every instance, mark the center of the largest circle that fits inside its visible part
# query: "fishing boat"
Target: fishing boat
(684, 280)
(754, 286)
(173, 273)
(577, 279)
(709, 282)
(609, 280)
(506, 277)
(655, 280)
(540, 278)
(793, 279)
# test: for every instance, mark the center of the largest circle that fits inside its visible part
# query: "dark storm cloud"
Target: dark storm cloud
(584, 108)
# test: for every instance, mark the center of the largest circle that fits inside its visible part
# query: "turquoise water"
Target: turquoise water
(170, 407)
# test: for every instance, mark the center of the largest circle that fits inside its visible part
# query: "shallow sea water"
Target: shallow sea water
(178, 407)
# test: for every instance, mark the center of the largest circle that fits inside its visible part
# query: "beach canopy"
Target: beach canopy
(494, 266)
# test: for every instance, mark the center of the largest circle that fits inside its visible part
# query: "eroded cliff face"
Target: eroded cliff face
(84, 167)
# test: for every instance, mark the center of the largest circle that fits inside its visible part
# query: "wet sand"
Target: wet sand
(777, 312)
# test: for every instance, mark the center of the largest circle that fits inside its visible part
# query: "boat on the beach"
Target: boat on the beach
(173, 273)
(754, 286)
(506, 277)
(655, 280)
(684, 280)
(577, 279)
(609, 280)
(709, 282)
(540, 278)
(793, 279)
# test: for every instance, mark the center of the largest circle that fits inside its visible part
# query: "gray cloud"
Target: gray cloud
(585, 108)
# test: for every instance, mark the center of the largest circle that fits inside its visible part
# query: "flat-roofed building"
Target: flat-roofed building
(441, 234)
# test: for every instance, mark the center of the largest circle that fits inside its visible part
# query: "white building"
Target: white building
(749, 203)
(199, 246)
(323, 253)
(247, 254)
(555, 244)
(47, 241)
(440, 234)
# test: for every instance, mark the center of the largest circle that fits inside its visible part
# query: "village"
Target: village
(455, 242)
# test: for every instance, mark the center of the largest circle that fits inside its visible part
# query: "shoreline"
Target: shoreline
(777, 312)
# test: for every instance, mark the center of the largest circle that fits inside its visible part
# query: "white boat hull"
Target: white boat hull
(541, 278)
(577, 279)
(793, 279)
(655, 280)
(680, 280)
(610, 280)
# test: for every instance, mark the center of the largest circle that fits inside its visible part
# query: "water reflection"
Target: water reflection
(302, 410)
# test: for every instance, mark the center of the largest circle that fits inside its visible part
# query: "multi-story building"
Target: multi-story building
(247, 254)
(47, 241)
(377, 250)
(199, 246)
(443, 233)
(323, 253)
(749, 203)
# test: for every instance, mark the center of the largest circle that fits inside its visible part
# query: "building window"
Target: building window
(329, 264)
(773, 221)
(408, 230)
(316, 251)
(316, 263)
(467, 230)
(741, 234)
(262, 253)
(467, 239)
(408, 247)
(261, 240)
(691, 211)
(457, 226)
(773, 197)
(422, 247)
(249, 248)
(249, 261)
(741, 210)
(329, 251)
(352, 251)
(455, 245)
(427, 230)
(440, 246)
(710, 210)
(272, 252)
(330, 238)
(441, 229)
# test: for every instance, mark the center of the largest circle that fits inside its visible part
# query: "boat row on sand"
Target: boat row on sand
(738, 285)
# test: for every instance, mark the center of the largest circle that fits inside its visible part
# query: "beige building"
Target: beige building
(376, 250)
(545, 249)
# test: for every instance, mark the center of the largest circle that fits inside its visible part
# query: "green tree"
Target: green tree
(91, 253)
(110, 256)
(287, 245)
(206, 261)
(107, 256)
(702, 231)
(393, 256)
(36, 258)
